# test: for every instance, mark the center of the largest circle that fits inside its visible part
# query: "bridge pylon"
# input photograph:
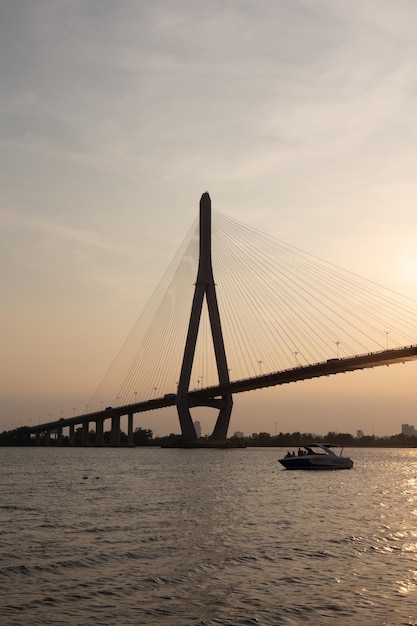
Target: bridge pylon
(204, 286)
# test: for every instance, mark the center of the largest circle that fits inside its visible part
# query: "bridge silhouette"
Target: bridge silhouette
(295, 313)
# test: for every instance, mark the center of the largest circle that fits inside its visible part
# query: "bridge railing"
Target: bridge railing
(300, 372)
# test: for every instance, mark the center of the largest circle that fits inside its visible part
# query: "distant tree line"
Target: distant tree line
(297, 439)
(144, 437)
(22, 437)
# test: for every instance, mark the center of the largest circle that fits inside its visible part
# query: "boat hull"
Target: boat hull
(317, 462)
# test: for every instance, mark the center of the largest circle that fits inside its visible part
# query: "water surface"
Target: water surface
(157, 537)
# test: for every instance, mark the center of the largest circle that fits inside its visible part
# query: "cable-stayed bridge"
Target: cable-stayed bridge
(239, 310)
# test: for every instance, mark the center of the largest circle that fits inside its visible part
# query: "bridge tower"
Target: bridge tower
(204, 286)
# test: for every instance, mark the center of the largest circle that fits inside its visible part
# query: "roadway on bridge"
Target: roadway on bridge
(306, 372)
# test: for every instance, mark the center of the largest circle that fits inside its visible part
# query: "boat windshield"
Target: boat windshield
(324, 448)
(317, 448)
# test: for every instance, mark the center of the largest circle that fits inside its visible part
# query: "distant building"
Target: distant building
(359, 434)
(408, 429)
(238, 434)
(197, 427)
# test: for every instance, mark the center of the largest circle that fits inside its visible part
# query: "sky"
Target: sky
(297, 116)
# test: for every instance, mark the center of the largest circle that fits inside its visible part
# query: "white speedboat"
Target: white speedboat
(316, 456)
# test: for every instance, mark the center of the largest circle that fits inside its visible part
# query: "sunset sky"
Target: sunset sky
(297, 116)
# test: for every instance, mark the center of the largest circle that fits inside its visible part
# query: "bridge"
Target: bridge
(303, 318)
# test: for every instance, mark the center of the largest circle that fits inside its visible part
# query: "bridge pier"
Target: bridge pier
(115, 430)
(85, 434)
(59, 436)
(47, 438)
(130, 430)
(71, 435)
(99, 438)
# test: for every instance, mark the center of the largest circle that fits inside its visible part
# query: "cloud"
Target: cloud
(297, 117)
(60, 232)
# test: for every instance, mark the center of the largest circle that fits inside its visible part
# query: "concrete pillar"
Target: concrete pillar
(71, 435)
(204, 287)
(38, 439)
(115, 430)
(85, 434)
(100, 432)
(59, 436)
(47, 438)
(130, 430)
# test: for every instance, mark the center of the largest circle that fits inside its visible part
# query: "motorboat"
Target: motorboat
(316, 456)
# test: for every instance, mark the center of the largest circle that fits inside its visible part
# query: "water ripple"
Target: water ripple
(180, 539)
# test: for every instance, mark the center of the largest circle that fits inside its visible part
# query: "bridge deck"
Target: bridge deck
(303, 372)
(325, 368)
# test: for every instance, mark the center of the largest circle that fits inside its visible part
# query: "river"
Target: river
(165, 537)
